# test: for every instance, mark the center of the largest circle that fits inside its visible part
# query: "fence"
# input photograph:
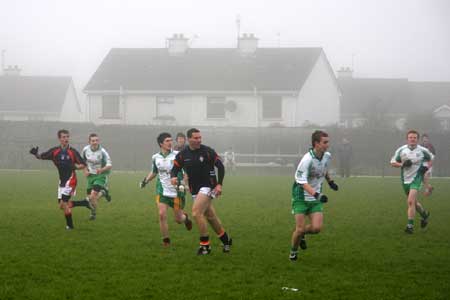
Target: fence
(269, 150)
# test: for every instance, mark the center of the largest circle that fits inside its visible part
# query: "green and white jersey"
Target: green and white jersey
(96, 159)
(418, 155)
(312, 170)
(162, 165)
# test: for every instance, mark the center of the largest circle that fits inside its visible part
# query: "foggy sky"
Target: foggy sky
(407, 38)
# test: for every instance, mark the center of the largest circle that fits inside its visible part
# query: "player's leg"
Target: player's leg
(412, 200)
(93, 199)
(298, 232)
(215, 223)
(426, 183)
(163, 225)
(316, 223)
(201, 204)
(181, 217)
(64, 205)
(424, 214)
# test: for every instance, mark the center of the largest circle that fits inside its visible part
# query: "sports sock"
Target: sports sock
(294, 249)
(422, 212)
(410, 223)
(224, 238)
(69, 221)
(204, 241)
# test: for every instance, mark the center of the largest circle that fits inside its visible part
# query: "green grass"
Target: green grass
(362, 252)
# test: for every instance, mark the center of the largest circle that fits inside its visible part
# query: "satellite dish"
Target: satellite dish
(231, 106)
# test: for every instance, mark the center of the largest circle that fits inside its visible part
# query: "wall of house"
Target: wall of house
(71, 110)
(318, 101)
(191, 110)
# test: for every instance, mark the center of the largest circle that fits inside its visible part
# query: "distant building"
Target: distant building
(246, 86)
(390, 102)
(37, 98)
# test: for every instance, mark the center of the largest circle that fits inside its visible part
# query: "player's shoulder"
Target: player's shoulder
(73, 149)
(423, 149)
(307, 157)
(156, 155)
(327, 155)
(207, 148)
(402, 147)
(86, 148)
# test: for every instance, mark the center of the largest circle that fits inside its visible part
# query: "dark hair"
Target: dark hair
(191, 131)
(92, 135)
(316, 136)
(180, 134)
(62, 131)
(412, 131)
(161, 137)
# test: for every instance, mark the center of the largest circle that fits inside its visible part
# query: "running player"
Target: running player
(66, 160)
(98, 169)
(167, 194)
(307, 197)
(414, 161)
(199, 162)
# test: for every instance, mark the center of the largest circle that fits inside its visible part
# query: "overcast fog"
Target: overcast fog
(407, 39)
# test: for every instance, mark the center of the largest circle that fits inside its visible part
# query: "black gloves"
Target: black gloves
(407, 163)
(34, 150)
(333, 185)
(321, 197)
(143, 183)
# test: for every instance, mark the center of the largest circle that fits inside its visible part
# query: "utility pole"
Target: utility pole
(3, 60)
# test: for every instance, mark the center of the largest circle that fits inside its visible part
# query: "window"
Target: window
(111, 107)
(215, 108)
(164, 106)
(271, 107)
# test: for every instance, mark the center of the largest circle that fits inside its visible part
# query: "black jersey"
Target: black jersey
(64, 160)
(199, 165)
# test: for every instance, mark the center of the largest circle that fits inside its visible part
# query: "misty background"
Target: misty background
(401, 40)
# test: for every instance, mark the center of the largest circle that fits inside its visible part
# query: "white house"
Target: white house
(391, 101)
(245, 86)
(38, 98)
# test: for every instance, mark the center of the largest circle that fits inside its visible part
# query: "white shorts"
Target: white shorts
(68, 189)
(204, 190)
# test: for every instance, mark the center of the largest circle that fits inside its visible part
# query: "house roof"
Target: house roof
(204, 69)
(429, 96)
(33, 93)
(360, 95)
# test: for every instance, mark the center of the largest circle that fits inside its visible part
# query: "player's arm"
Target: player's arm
(150, 176)
(331, 182)
(220, 171)
(108, 162)
(79, 162)
(396, 160)
(177, 167)
(47, 155)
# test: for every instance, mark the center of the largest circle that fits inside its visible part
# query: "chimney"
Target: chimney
(177, 44)
(247, 44)
(12, 71)
(345, 72)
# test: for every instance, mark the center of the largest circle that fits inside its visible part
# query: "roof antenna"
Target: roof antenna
(238, 27)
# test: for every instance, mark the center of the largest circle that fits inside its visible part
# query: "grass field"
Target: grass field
(362, 253)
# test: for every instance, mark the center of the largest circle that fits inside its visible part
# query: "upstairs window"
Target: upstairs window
(215, 108)
(111, 107)
(271, 107)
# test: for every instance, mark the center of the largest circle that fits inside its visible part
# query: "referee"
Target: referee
(199, 162)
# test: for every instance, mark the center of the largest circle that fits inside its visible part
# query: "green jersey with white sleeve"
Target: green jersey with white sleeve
(96, 159)
(312, 170)
(419, 157)
(162, 165)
